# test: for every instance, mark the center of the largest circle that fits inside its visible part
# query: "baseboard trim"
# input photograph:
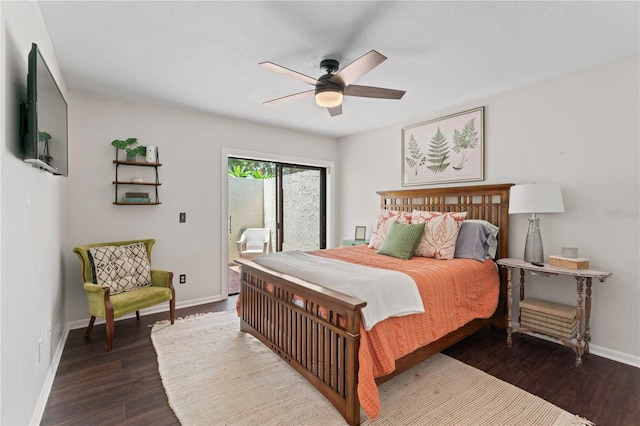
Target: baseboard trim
(611, 354)
(38, 412)
(164, 307)
(200, 301)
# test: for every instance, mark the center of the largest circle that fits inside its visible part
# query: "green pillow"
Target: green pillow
(402, 240)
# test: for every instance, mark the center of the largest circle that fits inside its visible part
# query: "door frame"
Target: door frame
(281, 225)
(227, 152)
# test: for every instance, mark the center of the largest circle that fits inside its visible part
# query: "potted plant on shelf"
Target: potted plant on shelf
(127, 145)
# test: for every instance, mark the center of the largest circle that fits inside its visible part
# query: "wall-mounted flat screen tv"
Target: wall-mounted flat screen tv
(45, 116)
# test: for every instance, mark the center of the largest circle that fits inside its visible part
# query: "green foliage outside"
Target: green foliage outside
(259, 174)
(254, 169)
(238, 171)
(241, 168)
(438, 153)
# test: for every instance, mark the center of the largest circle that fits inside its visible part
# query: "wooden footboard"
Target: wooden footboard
(315, 330)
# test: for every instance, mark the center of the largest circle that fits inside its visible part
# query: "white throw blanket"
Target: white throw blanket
(387, 293)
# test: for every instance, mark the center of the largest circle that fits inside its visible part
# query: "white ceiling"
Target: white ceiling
(205, 55)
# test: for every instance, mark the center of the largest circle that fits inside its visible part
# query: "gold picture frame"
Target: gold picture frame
(447, 149)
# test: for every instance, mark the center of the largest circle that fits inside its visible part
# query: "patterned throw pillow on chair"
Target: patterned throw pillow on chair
(121, 268)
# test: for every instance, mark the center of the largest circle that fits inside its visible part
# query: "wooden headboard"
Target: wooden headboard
(486, 202)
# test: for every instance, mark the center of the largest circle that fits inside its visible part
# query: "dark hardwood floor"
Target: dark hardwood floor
(95, 387)
(603, 391)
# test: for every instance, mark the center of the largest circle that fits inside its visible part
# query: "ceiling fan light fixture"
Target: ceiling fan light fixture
(331, 87)
(329, 97)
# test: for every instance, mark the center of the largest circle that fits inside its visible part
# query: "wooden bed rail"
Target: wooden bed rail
(314, 329)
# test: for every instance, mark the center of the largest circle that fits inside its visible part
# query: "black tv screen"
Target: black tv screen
(45, 141)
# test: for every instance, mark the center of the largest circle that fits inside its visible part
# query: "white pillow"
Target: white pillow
(383, 225)
(440, 233)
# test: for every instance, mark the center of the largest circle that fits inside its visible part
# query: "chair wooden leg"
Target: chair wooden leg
(110, 327)
(138, 315)
(108, 317)
(89, 327)
(172, 309)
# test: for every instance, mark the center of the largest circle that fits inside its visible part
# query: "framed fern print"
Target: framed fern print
(447, 149)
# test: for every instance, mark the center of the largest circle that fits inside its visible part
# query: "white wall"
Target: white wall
(190, 146)
(581, 131)
(33, 228)
(246, 209)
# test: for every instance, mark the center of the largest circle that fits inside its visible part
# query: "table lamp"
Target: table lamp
(535, 198)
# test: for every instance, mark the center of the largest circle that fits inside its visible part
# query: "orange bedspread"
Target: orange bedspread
(454, 292)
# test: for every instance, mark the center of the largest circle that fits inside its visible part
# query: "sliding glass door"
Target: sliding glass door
(288, 199)
(301, 208)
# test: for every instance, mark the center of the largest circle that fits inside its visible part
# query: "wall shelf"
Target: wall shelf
(123, 203)
(130, 182)
(117, 182)
(137, 163)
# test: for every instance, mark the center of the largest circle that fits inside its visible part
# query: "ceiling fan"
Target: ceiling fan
(332, 87)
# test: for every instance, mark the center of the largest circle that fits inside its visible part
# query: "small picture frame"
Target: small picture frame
(361, 232)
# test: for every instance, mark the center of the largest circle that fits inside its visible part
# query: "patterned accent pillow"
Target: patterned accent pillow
(121, 268)
(402, 240)
(440, 233)
(383, 224)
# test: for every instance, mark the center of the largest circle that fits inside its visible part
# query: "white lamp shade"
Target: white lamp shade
(329, 98)
(536, 198)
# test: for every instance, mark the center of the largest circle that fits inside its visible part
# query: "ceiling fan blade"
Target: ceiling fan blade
(335, 110)
(289, 73)
(373, 92)
(290, 97)
(358, 68)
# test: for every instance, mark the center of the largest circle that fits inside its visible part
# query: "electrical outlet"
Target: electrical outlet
(39, 350)
(183, 217)
(183, 278)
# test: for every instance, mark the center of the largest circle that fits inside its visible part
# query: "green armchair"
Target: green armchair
(109, 306)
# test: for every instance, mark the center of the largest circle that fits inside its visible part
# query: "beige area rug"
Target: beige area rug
(214, 374)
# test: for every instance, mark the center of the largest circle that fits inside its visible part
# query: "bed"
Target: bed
(320, 332)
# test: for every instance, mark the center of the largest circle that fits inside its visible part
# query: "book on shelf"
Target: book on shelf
(136, 200)
(136, 194)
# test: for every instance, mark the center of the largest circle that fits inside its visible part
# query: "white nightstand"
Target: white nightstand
(580, 344)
